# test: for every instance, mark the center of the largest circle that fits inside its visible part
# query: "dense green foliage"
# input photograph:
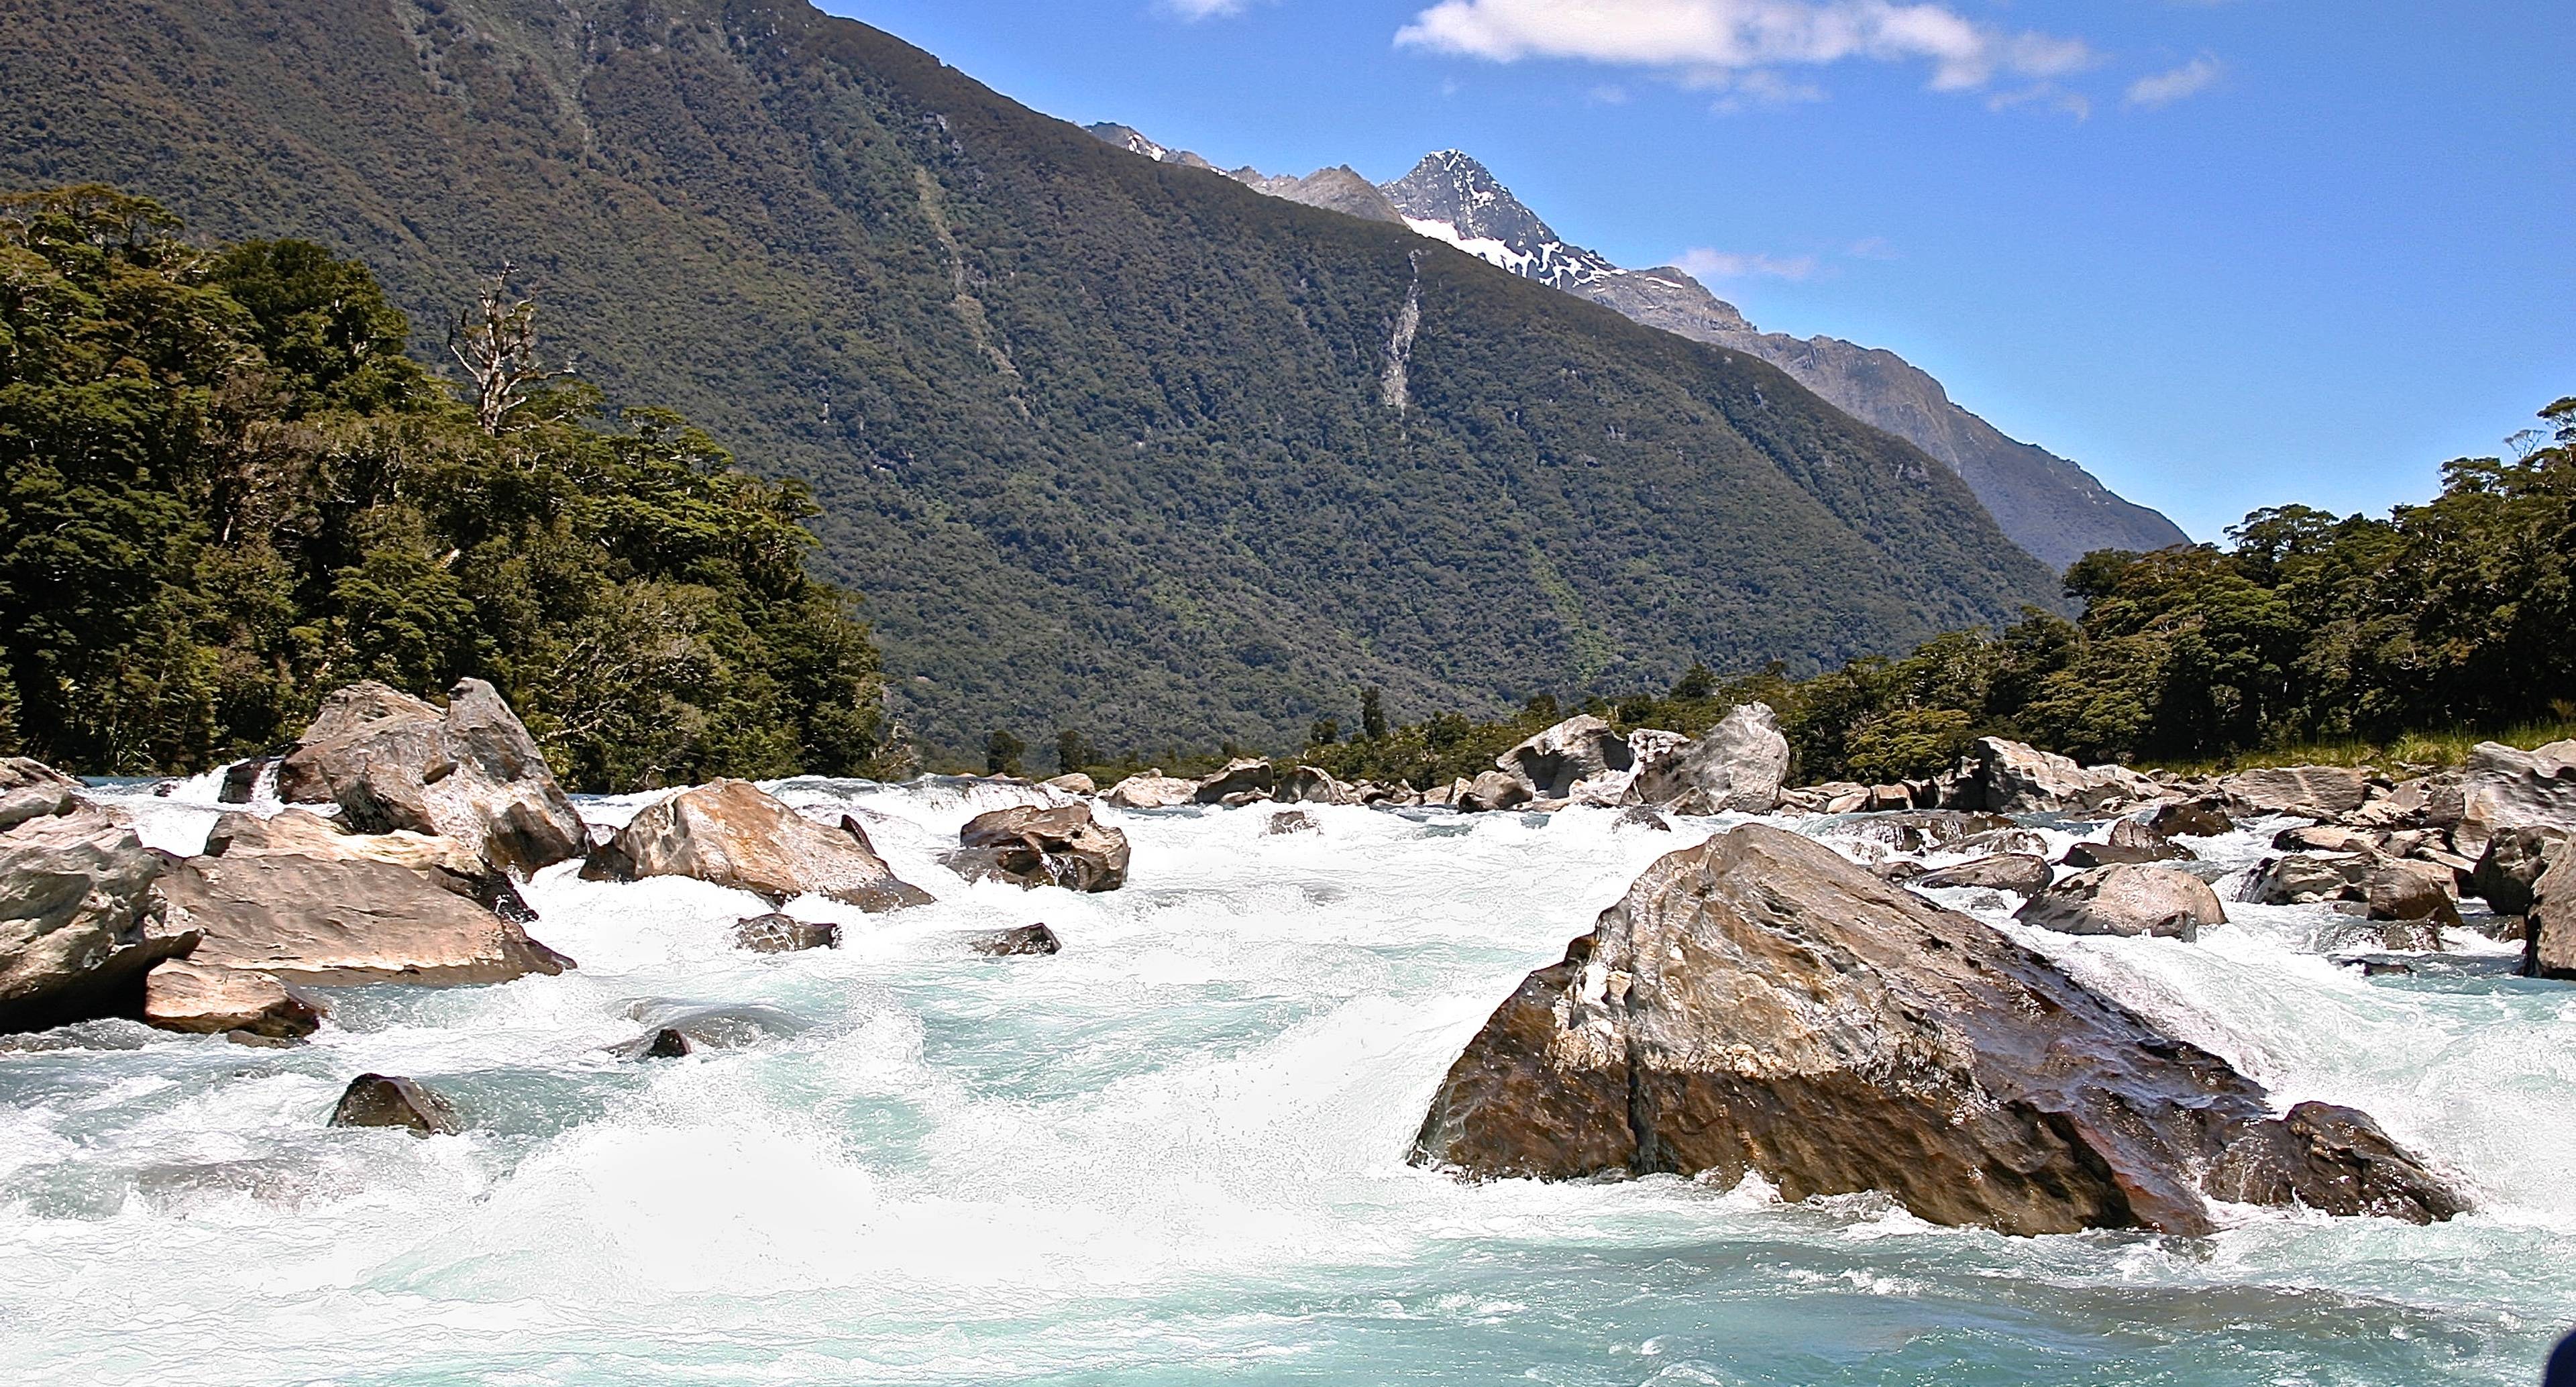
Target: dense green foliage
(2452, 615)
(228, 491)
(1105, 442)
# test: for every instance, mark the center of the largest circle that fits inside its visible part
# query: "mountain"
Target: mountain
(2050, 506)
(1108, 444)
(1342, 189)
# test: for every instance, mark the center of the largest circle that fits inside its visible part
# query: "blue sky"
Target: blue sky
(2226, 253)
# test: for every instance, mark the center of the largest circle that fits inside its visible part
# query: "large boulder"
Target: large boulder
(2130, 843)
(2206, 817)
(469, 772)
(2309, 792)
(2502, 787)
(447, 863)
(1557, 761)
(1031, 847)
(1757, 1004)
(195, 999)
(1738, 768)
(1151, 790)
(2505, 877)
(2386, 888)
(2007, 777)
(337, 923)
(2008, 872)
(82, 918)
(2549, 944)
(732, 834)
(1243, 781)
(1315, 785)
(2128, 901)
(1491, 791)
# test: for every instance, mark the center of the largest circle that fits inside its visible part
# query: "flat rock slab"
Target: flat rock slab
(1758, 1004)
(329, 923)
(192, 998)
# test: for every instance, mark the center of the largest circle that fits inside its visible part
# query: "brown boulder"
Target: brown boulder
(2504, 787)
(469, 771)
(2515, 857)
(198, 1000)
(1491, 791)
(1151, 790)
(1758, 1004)
(1240, 778)
(449, 864)
(2206, 817)
(2128, 901)
(1032, 847)
(82, 918)
(731, 834)
(341, 923)
(1557, 760)
(2131, 844)
(2008, 777)
(2549, 942)
(2007, 872)
(382, 1100)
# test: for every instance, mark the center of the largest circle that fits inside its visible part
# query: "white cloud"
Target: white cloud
(2166, 88)
(1206, 9)
(1705, 36)
(1704, 263)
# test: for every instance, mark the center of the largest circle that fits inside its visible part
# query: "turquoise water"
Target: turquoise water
(1174, 1154)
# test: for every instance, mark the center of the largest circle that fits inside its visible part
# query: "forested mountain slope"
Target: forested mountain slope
(1107, 444)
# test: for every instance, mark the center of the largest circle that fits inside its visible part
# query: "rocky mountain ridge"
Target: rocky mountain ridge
(2048, 505)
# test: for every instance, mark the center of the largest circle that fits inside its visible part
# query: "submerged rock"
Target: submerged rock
(2128, 901)
(732, 834)
(1026, 941)
(1758, 1004)
(2007, 777)
(1639, 816)
(784, 934)
(1292, 821)
(82, 917)
(199, 1000)
(384, 1100)
(340, 923)
(469, 771)
(1033, 847)
(2009, 872)
(1738, 768)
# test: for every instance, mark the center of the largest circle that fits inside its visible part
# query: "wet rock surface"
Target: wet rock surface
(469, 772)
(2508, 874)
(1556, 762)
(2127, 901)
(82, 915)
(192, 998)
(335, 923)
(1028, 941)
(2006, 872)
(1759, 1004)
(733, 834)
(784, 934)
(1033, 847)
(384, 1100)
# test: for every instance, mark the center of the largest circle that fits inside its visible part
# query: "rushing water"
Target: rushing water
(1175, 1154)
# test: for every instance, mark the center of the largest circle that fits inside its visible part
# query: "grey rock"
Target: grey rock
(1738, 768)
(1556, 761)
(1243, 780)
(2505, 877)
(784, 934)
(82, 918)
(2129, 902)
(191, 998)
(469, 771)
(1032, 847)
(1152, 790)
(2310, 792)
(336, 923)
(2008, 777)
(2008, 872)
(1491, 791)
(2549, 945)
(733, 834)
(2206, 817)
(1293, 821)
(2502, 787)
(1026, 941)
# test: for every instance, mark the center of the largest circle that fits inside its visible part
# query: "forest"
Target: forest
(229, 491)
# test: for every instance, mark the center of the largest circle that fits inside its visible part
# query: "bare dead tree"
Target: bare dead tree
(496, 342)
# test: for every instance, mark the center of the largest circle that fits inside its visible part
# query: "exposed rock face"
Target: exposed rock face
(1241, 782)
(1491, 791)
(2550, 944)
(184, 996)
(1312, 785)
(2194, 818)
(327, 923)
(2310, 792)
(2128, 901)
(2501, 787)
(1556, 761)
(2506, 875)
(2011, 872)
(2006, 777)
(1075, 783)
(1929, 828)
(1033, 847)
(1758, 1004)
(383, 1100)
(1152, 790)
(469, 772)
(81, 916)
(784, 934)
(2388, 888)
(241, 779)
(1738, 768)
(731, 834)
(2131, 844)
(447, 863)
(1027, 941)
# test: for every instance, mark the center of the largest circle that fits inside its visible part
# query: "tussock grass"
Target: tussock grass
(2431, 749)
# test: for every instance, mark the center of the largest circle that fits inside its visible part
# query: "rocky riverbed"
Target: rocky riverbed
(752, 1134)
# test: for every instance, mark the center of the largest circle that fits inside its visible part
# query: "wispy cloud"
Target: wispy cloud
(2166, 88)
(1713, 36)
(1206, 9)
(1704, 263)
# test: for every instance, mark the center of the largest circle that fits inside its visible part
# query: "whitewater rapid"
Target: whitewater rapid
(1174, 1153)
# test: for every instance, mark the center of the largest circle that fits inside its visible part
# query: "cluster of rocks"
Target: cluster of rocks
(1759, 1004)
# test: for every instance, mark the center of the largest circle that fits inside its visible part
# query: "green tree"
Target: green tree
(1002, 753)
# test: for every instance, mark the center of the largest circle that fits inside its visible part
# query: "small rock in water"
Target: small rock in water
(182, 996)
(784, 934)
(1028, 940)
(383, 1100)
(1294, 821)
(1640, 816)
(666, 1044)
